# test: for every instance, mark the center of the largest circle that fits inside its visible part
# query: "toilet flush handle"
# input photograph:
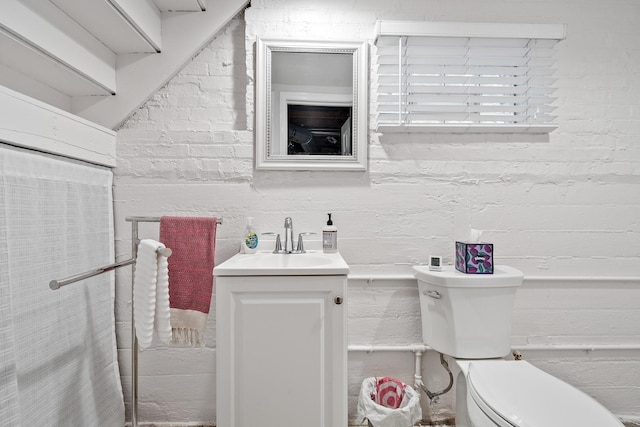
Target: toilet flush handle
(432, 294)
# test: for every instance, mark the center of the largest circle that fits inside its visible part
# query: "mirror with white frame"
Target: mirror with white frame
(311, 105)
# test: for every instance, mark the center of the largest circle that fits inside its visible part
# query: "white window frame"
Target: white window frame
(402, 107)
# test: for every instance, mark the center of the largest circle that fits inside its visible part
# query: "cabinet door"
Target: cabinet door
(281, 351)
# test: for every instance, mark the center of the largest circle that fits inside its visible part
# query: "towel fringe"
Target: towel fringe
(187, 336)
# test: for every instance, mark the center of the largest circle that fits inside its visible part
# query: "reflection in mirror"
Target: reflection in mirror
(319, 129)
(311, 106)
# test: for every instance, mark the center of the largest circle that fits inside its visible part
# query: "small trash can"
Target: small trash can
(388, 402)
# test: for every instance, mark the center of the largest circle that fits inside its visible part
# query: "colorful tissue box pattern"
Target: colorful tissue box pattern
(474, 258)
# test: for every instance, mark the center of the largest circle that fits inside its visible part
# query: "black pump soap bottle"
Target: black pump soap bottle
(330, 237)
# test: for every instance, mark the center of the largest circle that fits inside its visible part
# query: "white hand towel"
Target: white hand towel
(151, 294)
(163, 312)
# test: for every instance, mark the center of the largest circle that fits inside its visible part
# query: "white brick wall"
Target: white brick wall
(566, 205)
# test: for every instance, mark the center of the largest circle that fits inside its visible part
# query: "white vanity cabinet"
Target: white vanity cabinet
(281, 350)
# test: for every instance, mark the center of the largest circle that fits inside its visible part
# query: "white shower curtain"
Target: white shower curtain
(58, 364)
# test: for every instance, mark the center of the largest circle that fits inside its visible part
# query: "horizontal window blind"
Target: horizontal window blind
(465, 83)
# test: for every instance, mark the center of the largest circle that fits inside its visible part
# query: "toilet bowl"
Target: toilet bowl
(468, 317)
(517, 394)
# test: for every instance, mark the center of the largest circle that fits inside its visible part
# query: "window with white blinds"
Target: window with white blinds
(463, 77)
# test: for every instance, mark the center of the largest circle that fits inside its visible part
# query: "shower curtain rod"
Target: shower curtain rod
(56, 284)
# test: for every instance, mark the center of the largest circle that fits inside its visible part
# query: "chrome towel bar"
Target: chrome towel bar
(57, 284)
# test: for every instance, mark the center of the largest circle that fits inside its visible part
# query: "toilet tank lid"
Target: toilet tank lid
(525, 396)
(503, 276)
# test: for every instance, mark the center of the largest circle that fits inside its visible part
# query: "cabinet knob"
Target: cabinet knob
(338, 300)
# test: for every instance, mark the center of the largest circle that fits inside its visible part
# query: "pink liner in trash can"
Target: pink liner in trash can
(389, 392)
(388, 402)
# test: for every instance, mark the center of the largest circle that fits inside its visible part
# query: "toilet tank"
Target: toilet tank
(467, 316)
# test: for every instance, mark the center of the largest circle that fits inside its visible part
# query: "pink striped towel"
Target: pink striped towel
(193, 242)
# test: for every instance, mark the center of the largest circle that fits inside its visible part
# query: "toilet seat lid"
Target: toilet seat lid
(516, 393)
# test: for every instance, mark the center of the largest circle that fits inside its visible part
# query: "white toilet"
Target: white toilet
(468, 317)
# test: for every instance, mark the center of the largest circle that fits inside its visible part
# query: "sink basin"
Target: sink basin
(312, 263)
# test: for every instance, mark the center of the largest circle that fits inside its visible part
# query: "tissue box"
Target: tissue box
(474, 258)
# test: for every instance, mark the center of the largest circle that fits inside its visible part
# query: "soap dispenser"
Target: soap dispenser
(330, 237)
(249, 241)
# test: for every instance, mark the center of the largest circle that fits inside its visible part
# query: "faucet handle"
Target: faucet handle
(278, 248)
(300, 247)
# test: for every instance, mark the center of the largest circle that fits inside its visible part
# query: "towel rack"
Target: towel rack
(57, 284)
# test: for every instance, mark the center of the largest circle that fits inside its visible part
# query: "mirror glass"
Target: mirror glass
(311, 106)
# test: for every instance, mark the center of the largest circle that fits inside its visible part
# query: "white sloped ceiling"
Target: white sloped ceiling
(101, 59)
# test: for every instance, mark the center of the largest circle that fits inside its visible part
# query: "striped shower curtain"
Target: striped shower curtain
(58, 364)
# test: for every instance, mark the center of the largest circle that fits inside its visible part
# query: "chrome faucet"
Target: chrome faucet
(288, 235)
(289, 246)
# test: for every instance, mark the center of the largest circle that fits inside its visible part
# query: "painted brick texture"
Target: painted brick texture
(558, 206)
